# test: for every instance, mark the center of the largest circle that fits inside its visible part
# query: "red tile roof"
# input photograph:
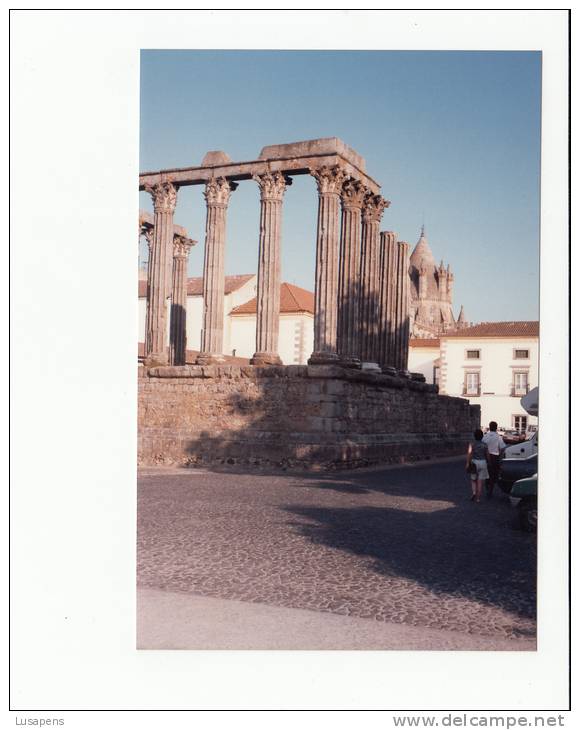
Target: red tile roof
(498, 329)
(195, 285)
(424, 342)
(293, 299)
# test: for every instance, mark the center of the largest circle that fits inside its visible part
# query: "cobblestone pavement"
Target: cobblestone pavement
(403, 545)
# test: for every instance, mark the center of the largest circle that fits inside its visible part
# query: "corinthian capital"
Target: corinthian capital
(217, 191)
(329, 179)
(353, 194)
(373, 208)
(181, 246)
(164, 196)
(272, 185)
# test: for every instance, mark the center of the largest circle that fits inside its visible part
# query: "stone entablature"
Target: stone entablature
(294, 417)
(296, 158)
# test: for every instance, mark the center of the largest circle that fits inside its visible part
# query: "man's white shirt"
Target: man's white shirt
(494, 442)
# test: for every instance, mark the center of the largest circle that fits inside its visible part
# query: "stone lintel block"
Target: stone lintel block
(247, 371)
(228, 371)
(329, 410)
(313, 147)
(326, 371)
(315, 423)
(363, 376)
(389, 382)
(418, 377)
(335, 387)
(270, 371)
(164, 371)
(389, 370)
(297, 371)
(209, 371)
(415, 385)
(215, 157)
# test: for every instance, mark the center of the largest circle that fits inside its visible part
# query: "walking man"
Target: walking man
(495, 447)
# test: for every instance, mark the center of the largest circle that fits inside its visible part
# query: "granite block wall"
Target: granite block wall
(296, 417)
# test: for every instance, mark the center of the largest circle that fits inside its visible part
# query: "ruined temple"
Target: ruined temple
(355, 402)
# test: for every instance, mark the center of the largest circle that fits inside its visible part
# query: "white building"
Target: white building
(296, 333)
(296, 336)
(492, 364)
(424, 358)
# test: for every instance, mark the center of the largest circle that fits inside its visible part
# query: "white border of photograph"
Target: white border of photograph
(75, 127)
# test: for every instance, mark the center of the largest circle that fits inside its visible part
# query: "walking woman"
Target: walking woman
(476, 466)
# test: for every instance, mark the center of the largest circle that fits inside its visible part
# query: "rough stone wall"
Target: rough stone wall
(296, 416)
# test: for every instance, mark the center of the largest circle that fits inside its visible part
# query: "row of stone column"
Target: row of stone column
(394, 302)
(166, 278)
(361, 281)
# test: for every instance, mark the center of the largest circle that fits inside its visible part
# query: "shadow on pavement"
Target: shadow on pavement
(441, 549)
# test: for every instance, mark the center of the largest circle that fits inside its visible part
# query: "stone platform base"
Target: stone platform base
(294, 417)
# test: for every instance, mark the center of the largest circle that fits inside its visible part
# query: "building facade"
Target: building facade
(296, 330)
(492, 364)
(424, 358)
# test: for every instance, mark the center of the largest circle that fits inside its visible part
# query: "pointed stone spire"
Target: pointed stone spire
(422, 253)
(461, 318)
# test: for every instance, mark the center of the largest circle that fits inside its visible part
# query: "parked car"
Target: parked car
(523, 449)
(530, 431)
(513, 437)
(510, 470)
(524, 496)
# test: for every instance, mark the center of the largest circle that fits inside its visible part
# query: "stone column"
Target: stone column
(272, 187)
(164, 200)
(177, 333)
(217, 196)
(373, 208)
(348, 341)
(387, 298)
(402, 328)
(329, 182)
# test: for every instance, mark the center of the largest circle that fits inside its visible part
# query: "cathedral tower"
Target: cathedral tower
(431, 292)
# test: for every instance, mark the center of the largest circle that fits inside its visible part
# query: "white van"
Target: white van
(523, 450)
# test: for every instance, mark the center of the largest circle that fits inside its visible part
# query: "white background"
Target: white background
(74, 203)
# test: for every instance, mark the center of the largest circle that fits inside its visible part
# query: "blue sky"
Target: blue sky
(452, 137)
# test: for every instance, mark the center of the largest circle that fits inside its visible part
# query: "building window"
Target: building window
(436, 375)
(520, 384)
(521, 354)
(472, 385)
(519, 423)
(473, 354)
